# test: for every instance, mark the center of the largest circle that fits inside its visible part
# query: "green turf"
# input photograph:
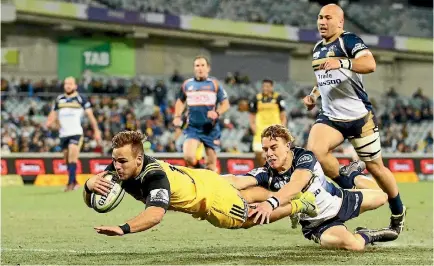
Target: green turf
(46, 226)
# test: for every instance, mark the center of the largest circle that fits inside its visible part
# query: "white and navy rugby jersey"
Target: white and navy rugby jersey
(327, 196)
(70, 112)
(343, 95)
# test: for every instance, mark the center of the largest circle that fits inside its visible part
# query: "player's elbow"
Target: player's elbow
(372, 67)
(157, 215)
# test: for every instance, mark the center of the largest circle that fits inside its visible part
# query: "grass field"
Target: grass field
(43, 225)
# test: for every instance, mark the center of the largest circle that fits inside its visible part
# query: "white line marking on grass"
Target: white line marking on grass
(53, 250)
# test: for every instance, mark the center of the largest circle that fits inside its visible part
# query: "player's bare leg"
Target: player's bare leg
(65, 157)
(372, 199)
(387, 182)
(211, 159)
(73, 152)
(339, 237)
(322, 140)
(189, 149)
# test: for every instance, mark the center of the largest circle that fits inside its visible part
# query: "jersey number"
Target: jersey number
(173, 168)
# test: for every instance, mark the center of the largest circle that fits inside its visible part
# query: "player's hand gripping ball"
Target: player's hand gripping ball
(106, 203)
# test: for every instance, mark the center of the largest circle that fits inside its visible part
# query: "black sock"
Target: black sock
(72, 171)
(395, 205)
(344, 181)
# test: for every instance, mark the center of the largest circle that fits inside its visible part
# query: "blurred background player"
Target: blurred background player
(339, 59)
(68, 110)
(206, 101)
(266, 109)
(200, 151)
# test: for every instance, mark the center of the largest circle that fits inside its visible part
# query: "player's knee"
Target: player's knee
(190, 159)
(354, 246)
(320, 152)
(382, 198)
(375, 166)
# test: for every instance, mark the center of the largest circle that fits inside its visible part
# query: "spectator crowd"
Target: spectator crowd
(26, 132)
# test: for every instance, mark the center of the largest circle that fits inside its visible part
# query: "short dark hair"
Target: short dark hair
(278, 131)
(202, 57)
(268, 81)
(133, 138)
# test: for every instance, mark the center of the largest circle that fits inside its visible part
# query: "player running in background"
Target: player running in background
(266, 109)
(291, 170)
(206, 101)
(68, 110)
(339, 60)
(202, 193)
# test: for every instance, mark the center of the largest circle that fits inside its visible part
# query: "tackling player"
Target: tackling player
(161, 186)
(68, 109)
(291, 170)
(201, 95)
(339, 60)
(266, 109)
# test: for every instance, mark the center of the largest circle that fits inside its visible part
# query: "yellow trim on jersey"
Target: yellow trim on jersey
(69, 105)
(150, 167)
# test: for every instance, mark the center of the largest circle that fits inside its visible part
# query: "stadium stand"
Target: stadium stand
(405, 122)
(363, 16)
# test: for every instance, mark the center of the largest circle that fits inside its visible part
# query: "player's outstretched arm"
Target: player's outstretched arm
(142, 222)
(241, 182)
(299, 179)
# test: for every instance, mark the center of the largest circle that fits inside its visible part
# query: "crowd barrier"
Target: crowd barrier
(50, 169)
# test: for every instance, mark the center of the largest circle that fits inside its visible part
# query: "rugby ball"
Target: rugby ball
(107, 203)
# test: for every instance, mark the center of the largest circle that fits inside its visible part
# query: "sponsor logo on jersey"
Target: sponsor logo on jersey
(329, 82)
(358, 47)
(278, 185)
(306, 158)
(316, 55)
(159, 195)
(201, 98)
